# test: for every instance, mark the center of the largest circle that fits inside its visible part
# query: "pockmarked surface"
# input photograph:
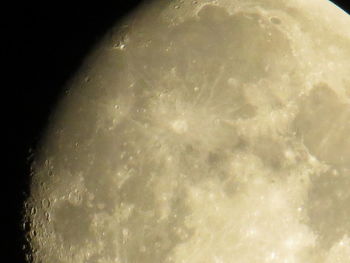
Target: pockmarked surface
(202, 132)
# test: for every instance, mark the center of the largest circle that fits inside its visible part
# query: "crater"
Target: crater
(275, 20)
(180, 126)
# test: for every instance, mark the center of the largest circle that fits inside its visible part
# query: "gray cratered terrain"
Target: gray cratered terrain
(202, 132)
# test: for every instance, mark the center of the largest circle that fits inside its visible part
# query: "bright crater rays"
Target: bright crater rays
(207, 132)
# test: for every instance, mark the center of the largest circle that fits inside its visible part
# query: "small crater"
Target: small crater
(119, 45)
(46, 203)
(275, 20)
(180, 126)
(213, 158)
(33, 211)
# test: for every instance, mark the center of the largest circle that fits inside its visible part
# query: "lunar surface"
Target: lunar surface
(202, 132)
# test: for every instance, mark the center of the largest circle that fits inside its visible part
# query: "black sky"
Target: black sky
(44, 46)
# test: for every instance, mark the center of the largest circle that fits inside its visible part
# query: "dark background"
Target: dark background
(44, 45)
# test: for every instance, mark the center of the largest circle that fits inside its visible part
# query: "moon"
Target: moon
(209, 131)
